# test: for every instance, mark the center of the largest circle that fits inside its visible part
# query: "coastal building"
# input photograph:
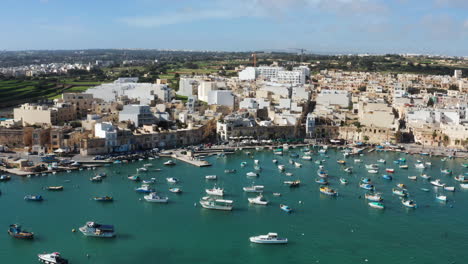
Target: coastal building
(107, 131)
(188, 87)
(32, 114)
(82, 102)
(221, 97)
(139, 115)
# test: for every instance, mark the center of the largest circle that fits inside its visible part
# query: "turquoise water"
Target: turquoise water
(321, 229)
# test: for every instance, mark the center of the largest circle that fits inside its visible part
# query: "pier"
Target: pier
(177, 154)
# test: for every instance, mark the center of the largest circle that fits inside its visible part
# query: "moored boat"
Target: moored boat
(366, 186)
(373, 171)
(321, 181)
(216, 204)
(413, 178)
(230, 171)
(54, 188)
(281, 167)
(343, 181)
(461, 178)
(376, 205)
(403, 166)
(387, 177)
(33, 198)
(96, 178)
(306, 157)
(172, 180)
(390, 170)
(169, 163)
(5, 177)
(154, 198)
(438, 183)
(145, 188)
(375, 197)
(16, 232)
(94, 229)
(270, 238)
(215, 191)
(285, 208)
(252, 174)
(134, 178)
(400, 192)
(449, 188)
(260, 200)
(293, 183)
(211, 177)
(328, 191)
(441, 198)
(409, 203)
(175, 190)
(103, 199)
(52, 258)
(254, 189)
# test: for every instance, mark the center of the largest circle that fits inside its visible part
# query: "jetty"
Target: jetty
(188, 157)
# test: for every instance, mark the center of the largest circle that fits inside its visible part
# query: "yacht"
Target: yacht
(258, 200)
(270, 238)
(154, 198)
(97, 230)
(216, 204)
(254, 189)
(169, 163)
(215, 191)
(52, 258)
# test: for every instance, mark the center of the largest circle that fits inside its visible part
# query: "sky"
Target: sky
(325, 26)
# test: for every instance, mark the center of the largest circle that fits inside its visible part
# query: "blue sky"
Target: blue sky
(375, 26)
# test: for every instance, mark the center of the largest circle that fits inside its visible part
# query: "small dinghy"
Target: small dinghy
(343, 181)
(175, 190)
(252, 174)
(376, 205)
(387, 177)
(285, 208)
(449, 188)
(409, 203)
(441, 198)
(413, 178)
(321, 181)
(211, 177)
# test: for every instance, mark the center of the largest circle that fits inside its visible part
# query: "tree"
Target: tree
(366, 138)
(430, 102)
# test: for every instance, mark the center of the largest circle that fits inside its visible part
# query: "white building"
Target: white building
(248, 74)
(204, 88)
(334, 97)
(291, 77)
(221, 97)
(458, 74)
(108, 131)
(188, 87)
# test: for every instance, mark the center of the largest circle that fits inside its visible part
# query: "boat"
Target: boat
(409, 203)
(425, 176)
(169, 163)
(289, 174)
(134, 178)
(172, 180)
(215, 191)
(96, 178)
(270, 238)
(33, 198)
(438, 183)
(425, 190)
(54, 188)
(413, 178)
(5, 177)
(257, 168)
(441, 198)
(230, 171)
(366, 180)
(297, 165)
(373, 171)
(279, 194)
(145, 188)
(285, 208)
(103, 199)
(281, 167)
(348, 170)
(322, 151)
(357, 161)
(403, 166)
(401, 185)
(389, 170)
(243, 164)
(252, 174)
(16, 232)
(154, 198)
(465, 165)
(428, 164)
(279, 153)
(366, 186)
(341, 162)
(306, 157)
(256, 162)
(94, 229)
(211, 177)
(275, 161)
(216, 204)
(387, 177)
(293, 183)
(381, 161)
(343, 181)
(151, 181)
(142, 170)
(321, 181)
(318, 162)
(449, 188)
(322, 173)
(464, 185)
(254, 189)
(446, 171)
(52, 258)
(400, 192)
(372, 166)
(291, 161)
(258, 200)
(148, 165)
(420, 166)
(375, 197)
(328, 191)
(461, 178)
(294, 155)
(175, 190)
(376, 205)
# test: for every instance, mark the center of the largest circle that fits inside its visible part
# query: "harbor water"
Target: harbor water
(321, 229)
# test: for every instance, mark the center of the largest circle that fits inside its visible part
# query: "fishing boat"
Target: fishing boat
(441, 198)
(389, 170)
(461, 178)
(341, 162)
(381, 161)
(145, 188)
(270, 238)
(215, 191)
(243, 164)
(321, 181)
(328, 191)
(373, 171)
(154, 198)
(134, 178)
(281, 167)
(413, 178)
(425, 176)
(254, 189)
(52, 258)
(216, 204)
(175, 190)
(211, 177)
(16, 232)
(252, 174)
(94, 229)
(260, 200)
(293, 183)
(387, 177)
(366, 186)
(297, 165)
(409, 203)
(5, 177)
(103, 199)
(403, 166)
(376, 205)
(400, 192)
(446, 171)
(366, 180)
(464, 185)
(142, 170)
(172, 180)
(401, 185)
(343, 181)
(54, 188)
(285, 208)
(438, 183)
(306, 157)
(96, 178)
(33, 198)
(169, 163)
(449, 188)
(375, 197)
(322, 173)
(229, 171)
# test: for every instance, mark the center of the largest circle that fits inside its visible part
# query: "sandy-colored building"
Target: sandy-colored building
(31, 114)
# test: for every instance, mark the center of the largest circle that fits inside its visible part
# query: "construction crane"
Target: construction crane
(254, 57)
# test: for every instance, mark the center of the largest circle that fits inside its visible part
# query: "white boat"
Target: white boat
(154, 198)
(409, 203)
(211, 177)
(142, 170)
(381, 161)
(275, 161)
(420, 166)
(258, 200)
(277, 194)
(425, 176)
(288, 174)
(251, 174)
(376, 205)
(169, 163)
(215, 191)
(254, 189)
(357, 161)
(52, 258)
(449, 188)
(175, 190)
(413, 178)
(279, 153)
(216, 204)
(372, 166)
(464, 185)
(297, 164)
(172, 180)
(256, 162)
(322, 151)
(148, 165)
(291, 162)
(442, 198)
(373, 171)
(437, 183)
(270, 238)
(281, 167)
(375, 197)
(306, 157)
